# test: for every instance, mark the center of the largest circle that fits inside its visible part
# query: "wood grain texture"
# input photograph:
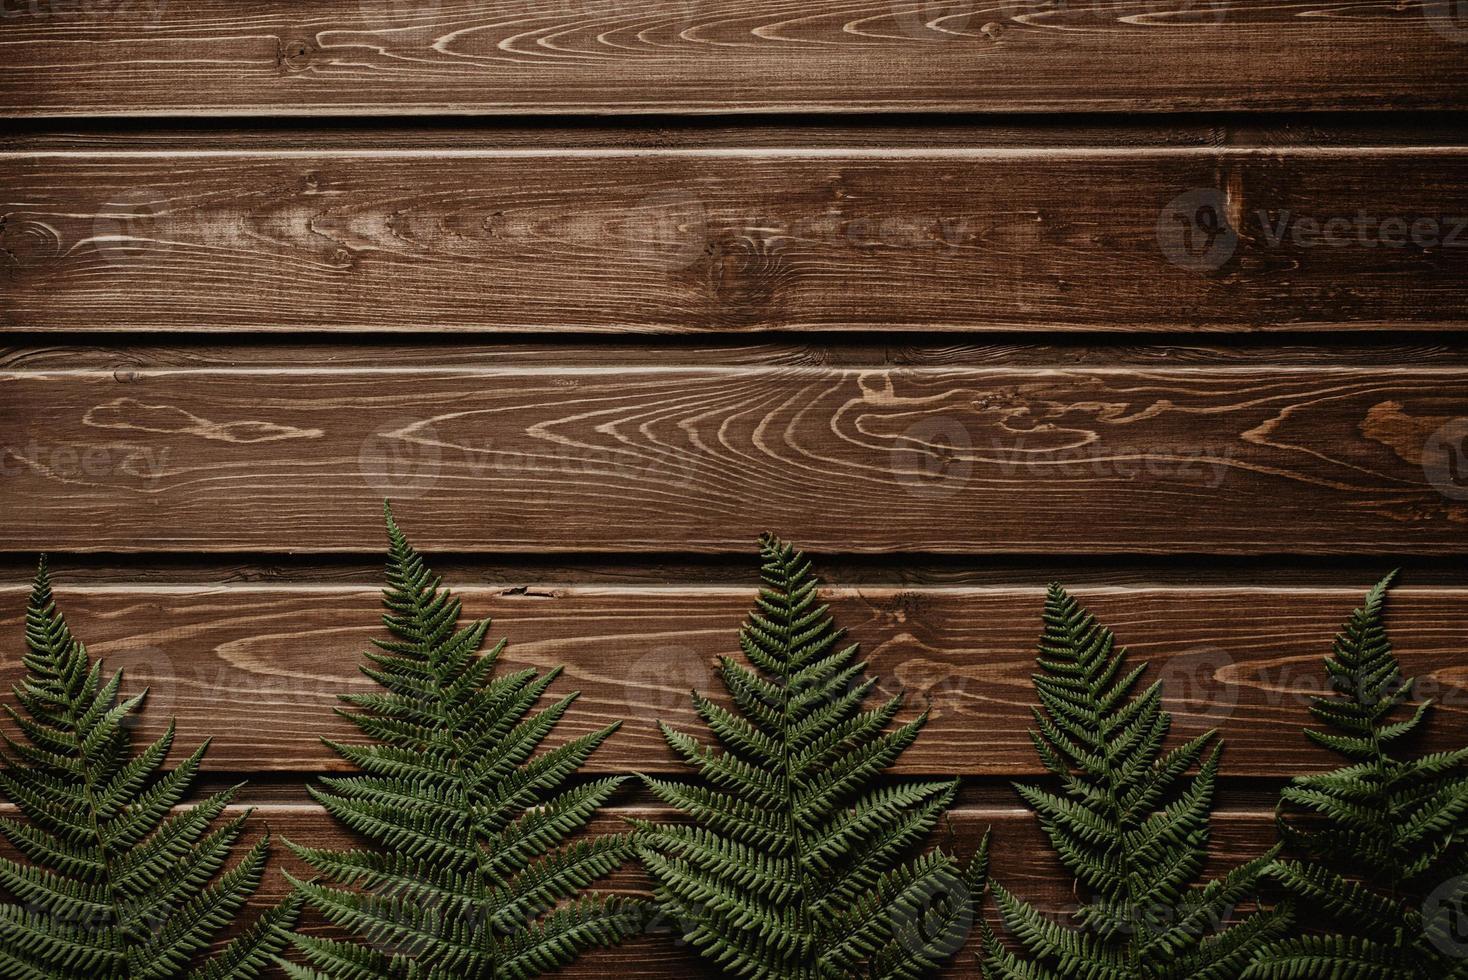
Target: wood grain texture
(736, 239)
(259, 669)
(1022, 863)
(1246, 460)
(714, 132)
(1256, 130)
(536, 572)
(270, 57)
(141, 352)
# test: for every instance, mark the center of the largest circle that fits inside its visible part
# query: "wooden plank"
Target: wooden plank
(1351, 130)
(259, 669)
(1228, 460)
(1022, 863)
(269, 57)
(538, 572)
(712, 132)
(127, 353)
(736, 239)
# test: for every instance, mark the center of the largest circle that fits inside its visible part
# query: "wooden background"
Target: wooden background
(1164, 300)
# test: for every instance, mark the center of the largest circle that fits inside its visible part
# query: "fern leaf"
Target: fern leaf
(1379, 843)
(795, 863)
(468, 867)
(1128, 822)
(115, 884)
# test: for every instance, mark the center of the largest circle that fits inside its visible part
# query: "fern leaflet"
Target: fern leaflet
(115, 883)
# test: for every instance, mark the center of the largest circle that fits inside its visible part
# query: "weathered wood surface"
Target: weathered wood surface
(1022, 863)
(736, 239)
(129, 353)
(1348, 130)
(520, 573)
(259, 668)
(271, 57)
(658, 133)
(1246, 460)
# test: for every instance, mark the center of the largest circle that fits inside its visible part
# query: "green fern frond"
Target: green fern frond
(115, 883)
(1129, 822)
(1383, 867)
(796, 863)
(468, 869)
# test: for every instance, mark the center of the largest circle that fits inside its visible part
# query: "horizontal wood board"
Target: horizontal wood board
(1227, 460)
(380, 57)
(736, 239)
(260, 668)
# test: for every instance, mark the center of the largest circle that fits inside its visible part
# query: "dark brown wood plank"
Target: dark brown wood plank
(1348, 129)
(271, 57)
(534, 571)
(1022, 862)
(133, 352)
(713, 132)
(736, 239)
(1228, 460)
(259, 669)
(1351, 130)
